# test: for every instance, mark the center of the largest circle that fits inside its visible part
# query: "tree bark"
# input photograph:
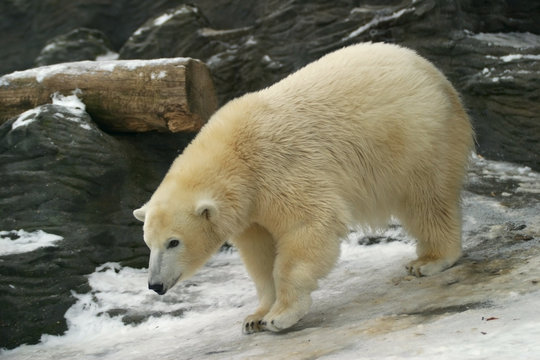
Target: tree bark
(168, 95)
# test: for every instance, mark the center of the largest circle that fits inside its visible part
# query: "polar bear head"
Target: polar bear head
(205, 198)
(181, 237)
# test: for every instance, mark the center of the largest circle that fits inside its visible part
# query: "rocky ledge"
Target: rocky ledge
(489, 50)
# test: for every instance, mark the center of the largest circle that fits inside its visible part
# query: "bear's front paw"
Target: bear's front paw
(281, 317)
(279, 323)
(252, 324)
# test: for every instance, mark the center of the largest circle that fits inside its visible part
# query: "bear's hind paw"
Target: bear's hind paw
(423, 267)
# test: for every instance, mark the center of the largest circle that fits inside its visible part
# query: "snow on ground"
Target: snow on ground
(20, 241)
(485, 307)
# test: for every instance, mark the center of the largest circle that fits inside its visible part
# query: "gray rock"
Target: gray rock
(56, 166)
(174, 33)
(27, 25)
(53, 153)
(500, 83)
(250, 46)
(462, 38)
(77, 45)
(63, 175)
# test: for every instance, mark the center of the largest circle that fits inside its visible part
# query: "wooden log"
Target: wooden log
(173, 95)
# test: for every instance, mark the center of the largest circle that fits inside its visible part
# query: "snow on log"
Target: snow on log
(173, 95)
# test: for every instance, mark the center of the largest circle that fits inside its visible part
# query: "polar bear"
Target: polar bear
(364, 133)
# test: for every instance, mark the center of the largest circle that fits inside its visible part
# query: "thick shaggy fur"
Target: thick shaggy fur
(366, 132)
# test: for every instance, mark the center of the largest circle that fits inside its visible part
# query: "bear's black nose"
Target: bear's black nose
(157, 288)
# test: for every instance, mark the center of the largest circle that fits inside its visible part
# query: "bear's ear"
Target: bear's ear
(206, 208)
(140, 214)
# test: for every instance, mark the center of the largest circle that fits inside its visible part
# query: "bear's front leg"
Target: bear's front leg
(257, 249)
(304, 256)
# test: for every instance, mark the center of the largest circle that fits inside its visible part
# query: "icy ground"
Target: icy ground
(486, 307)
(20, 241)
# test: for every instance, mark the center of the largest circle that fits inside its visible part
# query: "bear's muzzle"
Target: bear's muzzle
(158, 288)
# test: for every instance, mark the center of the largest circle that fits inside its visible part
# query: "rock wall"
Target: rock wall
(489, 50)
(63, 175)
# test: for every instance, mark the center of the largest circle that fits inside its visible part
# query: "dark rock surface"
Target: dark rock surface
(250, 45)
(77, 45)
(463, 38)
(55, 153)
(26, 26)
(501, 87)
(175, 33)
(63, 175)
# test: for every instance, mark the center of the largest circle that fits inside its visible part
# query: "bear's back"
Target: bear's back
(360, 80)
(364, 121)
(362, 98)
(363, 124)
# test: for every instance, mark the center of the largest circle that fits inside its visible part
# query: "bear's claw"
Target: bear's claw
(425, 267)
(252, 326)
(272, 326)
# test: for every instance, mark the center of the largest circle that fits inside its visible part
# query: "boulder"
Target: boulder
(62, 175)
(50, 151)
(500, 83)
(77, 45)
(27, 25)
(170, 34)
(58, 171)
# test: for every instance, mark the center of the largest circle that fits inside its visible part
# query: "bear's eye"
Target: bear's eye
(173, 243)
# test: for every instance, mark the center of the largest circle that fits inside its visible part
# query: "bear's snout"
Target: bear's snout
(157, 288)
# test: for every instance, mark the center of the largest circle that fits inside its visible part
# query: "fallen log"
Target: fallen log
(168, 95)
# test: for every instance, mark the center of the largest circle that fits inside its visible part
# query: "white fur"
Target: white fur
(366, 132)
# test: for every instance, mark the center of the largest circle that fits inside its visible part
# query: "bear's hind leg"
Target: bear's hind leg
(303, 257)
(436, 225)
(257, 249)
